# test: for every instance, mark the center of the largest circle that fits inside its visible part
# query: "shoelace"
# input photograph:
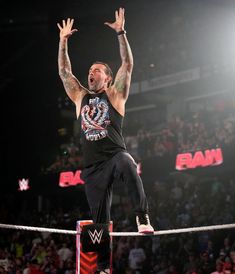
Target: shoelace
(143, 219)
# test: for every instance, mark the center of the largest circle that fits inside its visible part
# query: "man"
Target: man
(102, 109)
(136, 257)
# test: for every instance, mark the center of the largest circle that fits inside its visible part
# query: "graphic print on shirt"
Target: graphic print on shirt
(95, 119)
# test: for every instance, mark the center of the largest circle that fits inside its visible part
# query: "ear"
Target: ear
(108, 81)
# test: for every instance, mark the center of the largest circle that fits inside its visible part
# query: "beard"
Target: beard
(95, 87)
(92, 86)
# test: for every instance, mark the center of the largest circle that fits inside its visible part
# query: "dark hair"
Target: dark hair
(108, 71)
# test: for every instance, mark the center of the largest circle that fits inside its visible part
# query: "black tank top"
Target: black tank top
(101, 129)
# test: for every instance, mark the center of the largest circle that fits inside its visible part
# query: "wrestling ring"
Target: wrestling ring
(86, 261)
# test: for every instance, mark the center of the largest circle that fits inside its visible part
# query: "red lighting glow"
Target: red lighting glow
(212, 157)
(68, 178)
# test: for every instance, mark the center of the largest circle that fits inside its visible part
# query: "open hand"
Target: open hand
(118, 25)
(66, 31)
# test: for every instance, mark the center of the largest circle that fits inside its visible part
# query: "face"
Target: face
(97, 78)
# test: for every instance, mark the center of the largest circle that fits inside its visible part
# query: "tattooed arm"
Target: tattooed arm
(123, 77)
(72, 86)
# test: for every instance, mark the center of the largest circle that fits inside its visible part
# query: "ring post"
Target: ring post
(86, 262)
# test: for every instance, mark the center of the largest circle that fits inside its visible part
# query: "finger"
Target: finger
(116, 15)
(71, 22)
(74, 30)
(68, 21)
(63, 23)
(123, 11)
(59, 26)
(108, 24)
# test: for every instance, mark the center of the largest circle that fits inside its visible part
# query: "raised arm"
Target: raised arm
(123, 78)
(72, 86)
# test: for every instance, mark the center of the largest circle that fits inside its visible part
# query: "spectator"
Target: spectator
(64, 254)
(136, 257)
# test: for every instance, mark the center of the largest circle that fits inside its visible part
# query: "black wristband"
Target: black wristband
(121, 32)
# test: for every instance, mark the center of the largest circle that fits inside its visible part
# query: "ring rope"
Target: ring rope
(125, 234)
(38, 229)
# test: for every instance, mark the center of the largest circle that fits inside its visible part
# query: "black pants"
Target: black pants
(99, 180)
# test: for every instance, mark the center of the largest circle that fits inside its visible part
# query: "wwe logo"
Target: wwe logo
(23, 184)
(96, 236)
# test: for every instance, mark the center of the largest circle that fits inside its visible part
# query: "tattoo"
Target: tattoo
(120, 82)
(63, 60)
(123, 77)
(70, 84)
(125, 50)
